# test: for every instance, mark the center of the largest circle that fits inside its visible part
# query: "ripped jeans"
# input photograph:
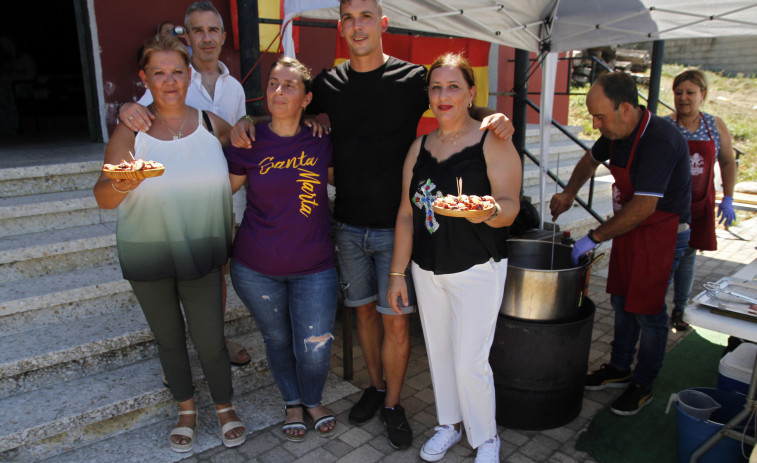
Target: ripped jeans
(295, 314)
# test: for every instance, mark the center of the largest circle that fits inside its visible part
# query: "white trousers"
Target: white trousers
(459, 314)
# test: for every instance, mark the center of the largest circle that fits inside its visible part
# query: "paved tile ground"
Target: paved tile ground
(368, 444)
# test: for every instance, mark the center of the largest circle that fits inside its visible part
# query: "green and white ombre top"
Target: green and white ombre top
(177, 225)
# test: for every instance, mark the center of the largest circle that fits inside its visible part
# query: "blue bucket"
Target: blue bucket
(693, 432)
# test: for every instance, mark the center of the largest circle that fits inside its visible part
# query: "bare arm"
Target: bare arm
(221, 128)
(504, 171)
(110, 193)
(633, 213)
(583, 171)
(236, 181)
(403, 234)
(726, 159)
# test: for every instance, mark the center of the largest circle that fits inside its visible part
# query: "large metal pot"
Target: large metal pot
(541, 284)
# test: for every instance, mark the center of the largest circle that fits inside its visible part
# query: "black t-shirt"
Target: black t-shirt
(444, 244)
(660, 167)
(374, 116)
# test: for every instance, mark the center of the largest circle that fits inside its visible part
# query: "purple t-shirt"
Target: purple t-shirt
(286, 224)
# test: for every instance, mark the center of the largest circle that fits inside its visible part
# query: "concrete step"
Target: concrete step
(602, 188)
(258, 409)
(69, 349)
(49, 178)
(44, 300)
(531, 173)
(564, 151)
(51, 211)
(68, 414)
(56, 252)
(532, 133)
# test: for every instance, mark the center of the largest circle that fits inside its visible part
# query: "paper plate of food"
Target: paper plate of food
(466, 206)
(134, 170)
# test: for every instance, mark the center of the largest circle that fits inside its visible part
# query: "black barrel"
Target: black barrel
(539, 370)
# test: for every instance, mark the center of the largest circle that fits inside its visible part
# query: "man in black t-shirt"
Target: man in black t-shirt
(374, 103)
(649, 160)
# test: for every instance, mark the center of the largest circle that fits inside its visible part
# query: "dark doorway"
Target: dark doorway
(43, 73)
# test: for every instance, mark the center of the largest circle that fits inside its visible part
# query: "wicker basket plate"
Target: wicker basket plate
(464, 214)
(134, 174)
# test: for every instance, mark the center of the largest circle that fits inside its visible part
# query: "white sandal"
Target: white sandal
(184, 431)
(237, 441)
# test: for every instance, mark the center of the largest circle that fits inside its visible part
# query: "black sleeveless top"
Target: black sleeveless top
(452, 244)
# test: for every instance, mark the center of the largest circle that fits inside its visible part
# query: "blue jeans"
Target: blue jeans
(295, 314)
(365, 255)
(653, 330)
(683, 279)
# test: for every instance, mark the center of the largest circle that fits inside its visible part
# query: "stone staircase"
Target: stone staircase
(565, 154)
(79, 374)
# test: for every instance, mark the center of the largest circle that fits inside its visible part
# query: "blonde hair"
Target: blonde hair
(167, 43)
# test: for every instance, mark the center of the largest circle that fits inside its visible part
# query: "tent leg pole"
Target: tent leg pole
(658, 52)
(520, 71)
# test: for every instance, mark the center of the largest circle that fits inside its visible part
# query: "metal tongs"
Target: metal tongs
(713, 289)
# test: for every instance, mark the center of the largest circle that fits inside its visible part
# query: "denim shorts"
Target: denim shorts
(364, 255)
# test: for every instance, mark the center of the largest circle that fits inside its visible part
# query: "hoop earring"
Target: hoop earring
(470, 105)
(429, 106)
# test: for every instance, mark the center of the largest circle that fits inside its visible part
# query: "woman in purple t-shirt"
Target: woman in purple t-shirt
(282, 262)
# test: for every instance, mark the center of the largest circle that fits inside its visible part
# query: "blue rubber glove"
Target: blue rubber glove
(582, 248)
(726, 212)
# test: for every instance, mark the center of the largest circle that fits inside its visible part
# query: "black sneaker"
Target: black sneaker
(397, 427)
(632, 400)
(366, 407)
(607, 377)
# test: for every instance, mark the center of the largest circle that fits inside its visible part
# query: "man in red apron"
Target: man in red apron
(649, 160)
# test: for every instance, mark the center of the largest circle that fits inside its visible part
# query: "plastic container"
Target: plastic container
(692, 432)
(697, 404)
(735, 369)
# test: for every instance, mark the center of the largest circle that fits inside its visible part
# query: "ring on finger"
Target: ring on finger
(131, 117)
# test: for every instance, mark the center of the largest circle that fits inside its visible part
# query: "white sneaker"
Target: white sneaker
(445, 437)
(488, 452)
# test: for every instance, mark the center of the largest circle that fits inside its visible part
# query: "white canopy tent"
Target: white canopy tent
(552, 26)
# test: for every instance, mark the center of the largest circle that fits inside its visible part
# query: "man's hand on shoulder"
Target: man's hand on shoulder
(499, 124)
(243, 133)
(135, 116)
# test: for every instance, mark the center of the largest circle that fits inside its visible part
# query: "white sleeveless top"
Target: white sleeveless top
(177, 225)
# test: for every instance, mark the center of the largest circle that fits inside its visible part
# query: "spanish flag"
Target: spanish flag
(424, 50)
(270, 42)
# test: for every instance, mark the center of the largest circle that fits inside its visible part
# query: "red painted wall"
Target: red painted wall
(507, 80)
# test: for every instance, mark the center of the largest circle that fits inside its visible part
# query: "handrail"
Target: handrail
(587, 205)
(581, 202)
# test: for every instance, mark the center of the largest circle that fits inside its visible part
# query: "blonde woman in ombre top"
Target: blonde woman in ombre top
(174, 234)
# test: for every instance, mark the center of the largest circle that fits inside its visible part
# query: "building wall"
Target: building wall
(729, 54)
(122, 28)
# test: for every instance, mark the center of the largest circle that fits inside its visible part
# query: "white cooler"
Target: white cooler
(735, 370)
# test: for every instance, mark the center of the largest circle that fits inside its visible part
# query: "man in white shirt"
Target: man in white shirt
(212, 89)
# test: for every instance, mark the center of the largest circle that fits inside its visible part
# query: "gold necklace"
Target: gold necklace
(177, 134)
(454, 136)
(696, 119)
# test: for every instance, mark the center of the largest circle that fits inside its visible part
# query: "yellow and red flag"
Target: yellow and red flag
(270, 41)
(424, 50)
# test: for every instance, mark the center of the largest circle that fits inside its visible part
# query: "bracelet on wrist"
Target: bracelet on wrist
(494, 214)
(591, 237)
(114, 187)
(249, 118)
(396, 274)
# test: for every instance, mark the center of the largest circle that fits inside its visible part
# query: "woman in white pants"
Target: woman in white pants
(458, 265)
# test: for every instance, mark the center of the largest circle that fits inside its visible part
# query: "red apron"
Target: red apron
(703, 154)
(641, 259)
